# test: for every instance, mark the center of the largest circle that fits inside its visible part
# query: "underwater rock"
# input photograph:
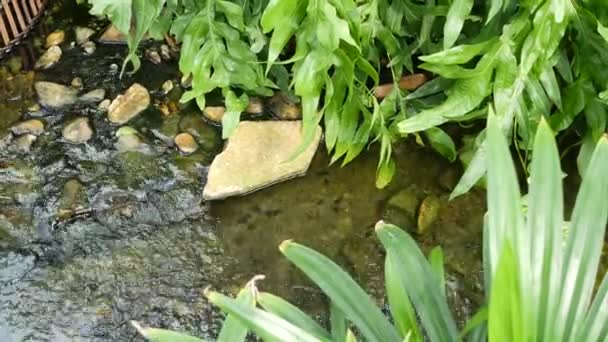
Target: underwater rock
(35, 127)
(214, 113)
(165, 52)
(94, 96)
(129, 140)
(104, 105)
(256, 156)
(55, 95)
(24, 143)
(49, 58)
(401, 209)
(428, 213)
(78, 131)
(113, 36)
(153, 56)
(125, 107)
(83, 34)
(185, 143)
(255, 106)
(77, 83)
(167, 87)
(168, 130)
(55, 38)
(449, 178)
(284, 108)
(73, 198)
(89, 48)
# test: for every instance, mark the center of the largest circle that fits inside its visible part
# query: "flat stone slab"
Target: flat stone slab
(257, 156)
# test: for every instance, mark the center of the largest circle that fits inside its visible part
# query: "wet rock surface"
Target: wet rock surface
(127, 106)
(258, 155)
(49, 58)
(55, 95)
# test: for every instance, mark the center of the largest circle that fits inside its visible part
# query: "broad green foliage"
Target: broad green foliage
(527, 59)
(539, 285)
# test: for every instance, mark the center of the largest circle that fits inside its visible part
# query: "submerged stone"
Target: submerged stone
(214, 113)
(83, 34)
(113, 36)
(284, 108)
(185, 143)
(125, 107)
(428, 213)
(55, 38)
(55, 95)
(24, 143)
(78, 131)
(49, 58)
(35, 127)
(94, 96)
(257, 155)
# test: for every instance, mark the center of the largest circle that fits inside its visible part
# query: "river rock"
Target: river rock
(167, 87)
(55, 38)
(35, 127)
(214, 113)
(256, 156)
(129, 140)
(284, 108)
(83, 34)
(185, 143)
(55, 95)
(126, 107)
(113, 36)
(205, 134)
(49, 58)
(78, 131)
(77, 83)
(94, 96)
(89, 48)
(428, 213)
(104, 105)
(401, 209)
(255, 106)
(24, 143)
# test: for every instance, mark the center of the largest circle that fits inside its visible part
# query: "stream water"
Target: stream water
(91, 238)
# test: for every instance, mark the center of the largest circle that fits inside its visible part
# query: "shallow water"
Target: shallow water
(91, 238)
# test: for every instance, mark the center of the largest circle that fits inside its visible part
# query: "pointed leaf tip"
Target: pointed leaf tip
(379, 225)
(285, 244)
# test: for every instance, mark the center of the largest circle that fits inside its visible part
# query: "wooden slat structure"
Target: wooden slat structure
(17, 17)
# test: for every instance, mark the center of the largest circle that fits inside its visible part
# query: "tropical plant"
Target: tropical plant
(530, 59)
(539, 282)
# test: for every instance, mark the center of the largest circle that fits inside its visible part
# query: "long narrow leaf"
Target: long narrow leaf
(583, 248)
(398, 298)
(420, 282)
(348, 296)
(232, 329)
(595, 327)
(289, 312)
(266, 325)
(544, 234)
(161, 335)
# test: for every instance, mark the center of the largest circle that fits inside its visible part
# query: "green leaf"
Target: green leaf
(265, 325)
(281, 308)
(504, 320)
(464, 96)
(474, 172)
(356, 305)
(420, 282)
(146, 12)
(232, 329)
(385, 173)
(544, 234)
(504, 206)
(459, 54)
(458, 12)
(584, 244)
(595, 327)
(118, 12)
(602, 30)
(339, 326)
(398, 298)
(234, 107)
(160, 335)
(436, 262)
(441, 142)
